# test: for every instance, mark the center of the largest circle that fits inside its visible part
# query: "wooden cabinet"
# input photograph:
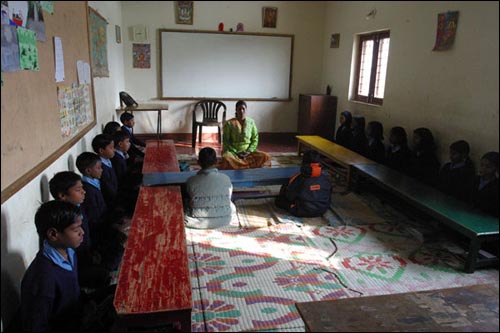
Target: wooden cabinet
(317, 114)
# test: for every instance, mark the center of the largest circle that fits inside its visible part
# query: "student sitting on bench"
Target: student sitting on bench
(485, 193)
(208, 195)
(307, 193)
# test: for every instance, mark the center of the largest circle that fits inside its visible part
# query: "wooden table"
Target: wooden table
(147, 107)
(239, 178)
(477, 226)
(337, 153)
(472, 308)
(153, 284)
(160, 156)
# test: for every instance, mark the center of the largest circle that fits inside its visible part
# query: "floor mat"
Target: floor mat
(249, 278)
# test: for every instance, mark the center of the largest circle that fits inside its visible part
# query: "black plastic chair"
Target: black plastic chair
(210, 117)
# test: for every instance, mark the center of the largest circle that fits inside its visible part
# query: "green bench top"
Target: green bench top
(439, 205)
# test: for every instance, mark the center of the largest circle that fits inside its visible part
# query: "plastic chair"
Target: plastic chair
(211, 109)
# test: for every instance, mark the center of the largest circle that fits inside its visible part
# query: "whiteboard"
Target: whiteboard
(222, 65)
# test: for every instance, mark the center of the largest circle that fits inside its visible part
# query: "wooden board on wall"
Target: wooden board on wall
(31, 127)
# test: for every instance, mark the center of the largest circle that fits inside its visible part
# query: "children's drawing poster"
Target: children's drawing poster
(35, 20)
(28, 51)
(142, 55)
(98, 44)
(446, 31)
(74, 108)
(48, 6)
(10, 49)
(18, 12)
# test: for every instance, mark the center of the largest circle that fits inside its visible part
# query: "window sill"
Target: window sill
(364, 103)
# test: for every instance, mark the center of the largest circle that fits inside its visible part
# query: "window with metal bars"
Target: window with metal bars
(371, 67)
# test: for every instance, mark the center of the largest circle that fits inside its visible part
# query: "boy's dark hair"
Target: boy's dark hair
(376, 130)
(240, 103)
(101, 141)
(126, 116)
(55, 214)
(426, 138)
(62, 182)
(119, 136)
(207, 157)
(359, 124)
(461, 147)
(311, 156)
(86, 160)
(491, 156)
(400, 133)
(111, 128)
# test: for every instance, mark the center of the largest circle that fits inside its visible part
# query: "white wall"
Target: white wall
(454, 93)
(304, 19)
(19, 238)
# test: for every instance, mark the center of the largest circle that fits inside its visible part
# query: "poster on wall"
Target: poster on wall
(142, 55)
(446, 31)
(98, 46)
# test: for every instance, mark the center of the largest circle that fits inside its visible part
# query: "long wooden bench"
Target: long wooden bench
(476, 226)
(239, 178)
(154, 286)
(337, 153)
(160, 156)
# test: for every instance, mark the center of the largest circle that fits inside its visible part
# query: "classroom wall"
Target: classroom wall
(19, 238)
(304, 19)
(454, 93)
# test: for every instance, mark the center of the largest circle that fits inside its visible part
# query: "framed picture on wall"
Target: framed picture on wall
(184, 12)
(269, 17)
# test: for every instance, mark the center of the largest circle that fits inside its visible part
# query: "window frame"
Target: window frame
(375, 37)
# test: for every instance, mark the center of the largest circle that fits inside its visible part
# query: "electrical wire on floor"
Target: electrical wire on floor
(335, 274)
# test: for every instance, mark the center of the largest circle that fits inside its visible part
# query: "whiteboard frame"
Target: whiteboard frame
(225, 98)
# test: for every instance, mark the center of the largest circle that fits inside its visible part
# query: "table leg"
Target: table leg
(158, 126)
(470, 261)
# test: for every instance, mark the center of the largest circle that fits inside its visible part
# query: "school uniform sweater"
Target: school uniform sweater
(399, 159)
(109, 185)
(49, 296)
(376, 151)
(486, 197)
(93, 206)
(458, 180)
(344, 136)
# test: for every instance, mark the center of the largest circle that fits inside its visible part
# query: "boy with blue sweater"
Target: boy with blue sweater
(104, 146)
(49, 290)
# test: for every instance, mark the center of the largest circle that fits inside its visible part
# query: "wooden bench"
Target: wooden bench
(153, 284)
(337, 153)
(239, 178)
(160, 156)
(466, 309)
(476, 226)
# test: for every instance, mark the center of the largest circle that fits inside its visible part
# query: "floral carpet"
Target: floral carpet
(247, 277)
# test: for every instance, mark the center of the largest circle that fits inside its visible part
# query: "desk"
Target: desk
(147, 107)
(239, 178)
(475, 225)
(337, 153)
(467, 309)
(160, 156)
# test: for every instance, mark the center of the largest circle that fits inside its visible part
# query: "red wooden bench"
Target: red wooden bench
(160, 156)
(154, 287)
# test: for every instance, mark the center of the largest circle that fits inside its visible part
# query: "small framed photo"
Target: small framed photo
(334, 41)
(269, 17)
(118, 32)
(184, 12)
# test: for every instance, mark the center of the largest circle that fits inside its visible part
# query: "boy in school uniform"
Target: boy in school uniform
(67, 186)
(104, 146)
(109, 240)
(307, 193)
(51, 300)
(50, 291)
(136, 150)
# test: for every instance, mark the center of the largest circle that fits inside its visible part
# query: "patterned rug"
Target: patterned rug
(248, 276)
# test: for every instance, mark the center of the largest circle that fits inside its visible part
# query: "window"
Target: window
(371, 67)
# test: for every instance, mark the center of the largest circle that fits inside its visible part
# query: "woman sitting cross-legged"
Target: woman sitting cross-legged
(240, 140)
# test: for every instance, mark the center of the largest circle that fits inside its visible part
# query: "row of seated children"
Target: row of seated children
(79, 242)
(456, 177)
